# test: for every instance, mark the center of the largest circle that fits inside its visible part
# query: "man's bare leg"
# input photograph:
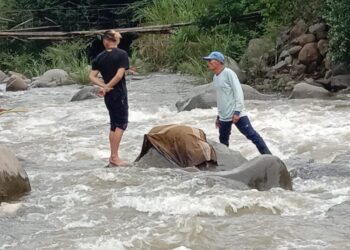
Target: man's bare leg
(114, 140)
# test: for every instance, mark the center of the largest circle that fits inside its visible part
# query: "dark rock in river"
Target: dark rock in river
(303, 90)
(88, 92)
(14, 181)
(15, 83)
(262, 173)
(204, 97)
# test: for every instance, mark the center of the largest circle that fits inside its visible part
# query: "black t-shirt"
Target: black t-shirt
(108, 62)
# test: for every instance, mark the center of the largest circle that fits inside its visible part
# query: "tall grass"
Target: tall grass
(184, 48)
(24, 63)
(189, 45)
(172, 11)
(71, 57)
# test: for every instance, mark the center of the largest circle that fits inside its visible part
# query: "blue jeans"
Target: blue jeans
(244, 126)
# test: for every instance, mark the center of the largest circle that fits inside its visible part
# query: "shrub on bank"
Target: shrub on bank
(69, 56)
(337, 15)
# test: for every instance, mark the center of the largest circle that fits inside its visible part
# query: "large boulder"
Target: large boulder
(319, 30)
(262, 173)
(204, 97)
(303, 90)
(304, 39)
(309, 53)
(16, 83)
(232, 64)
(14, 181)
(255, 56)
(340, 69)
(53, 78)
(227, 159)
(88, 92)
(299, 28)
(340, 82)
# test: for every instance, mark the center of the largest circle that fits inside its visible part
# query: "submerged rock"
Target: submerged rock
(88, 92)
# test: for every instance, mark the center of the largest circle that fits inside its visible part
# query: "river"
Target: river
(76, 203)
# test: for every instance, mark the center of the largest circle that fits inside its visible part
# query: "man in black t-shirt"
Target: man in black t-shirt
(112, 63)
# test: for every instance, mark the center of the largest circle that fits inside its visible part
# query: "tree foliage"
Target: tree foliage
(337, 15)
(69, 15)
(218, 25)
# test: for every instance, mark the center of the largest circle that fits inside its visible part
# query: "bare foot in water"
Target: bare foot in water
(117, 162)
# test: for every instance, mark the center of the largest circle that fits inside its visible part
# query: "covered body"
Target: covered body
(182, 145)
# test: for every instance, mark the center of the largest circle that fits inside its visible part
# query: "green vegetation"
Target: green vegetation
(183, 49)
(179, 50)
(216, 26)
(337, 15)
(283, 12)
(69, 56)
(33, 58)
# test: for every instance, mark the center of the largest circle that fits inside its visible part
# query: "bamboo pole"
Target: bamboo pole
(14, 110)
(6, 19)
(22, 23)
(32, 29)
(61, 34)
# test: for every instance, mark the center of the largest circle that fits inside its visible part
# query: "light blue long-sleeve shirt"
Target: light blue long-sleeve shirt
(229, 94)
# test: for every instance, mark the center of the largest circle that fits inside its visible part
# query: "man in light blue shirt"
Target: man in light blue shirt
(230, 103)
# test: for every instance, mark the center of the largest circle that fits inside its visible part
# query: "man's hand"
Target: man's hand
(235, 118)
(103, 91)
(217, 123)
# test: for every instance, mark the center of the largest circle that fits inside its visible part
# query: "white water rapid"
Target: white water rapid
(76, 203)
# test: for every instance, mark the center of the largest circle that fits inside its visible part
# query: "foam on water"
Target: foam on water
(102, 243)
(77, 204)
(9, 208)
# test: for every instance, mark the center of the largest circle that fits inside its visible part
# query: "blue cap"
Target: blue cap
(215, 55)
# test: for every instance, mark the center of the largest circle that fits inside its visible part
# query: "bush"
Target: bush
(24, 63)
(69, 56)
(337, 15)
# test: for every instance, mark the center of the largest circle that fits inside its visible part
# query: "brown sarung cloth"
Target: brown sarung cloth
(183, 145)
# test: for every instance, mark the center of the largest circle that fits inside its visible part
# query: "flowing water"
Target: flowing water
(76, 203)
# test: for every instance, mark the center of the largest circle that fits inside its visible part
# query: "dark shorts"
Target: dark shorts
(118, 110)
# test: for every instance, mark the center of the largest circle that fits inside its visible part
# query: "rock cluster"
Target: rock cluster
(52, 78)
(301, 54)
